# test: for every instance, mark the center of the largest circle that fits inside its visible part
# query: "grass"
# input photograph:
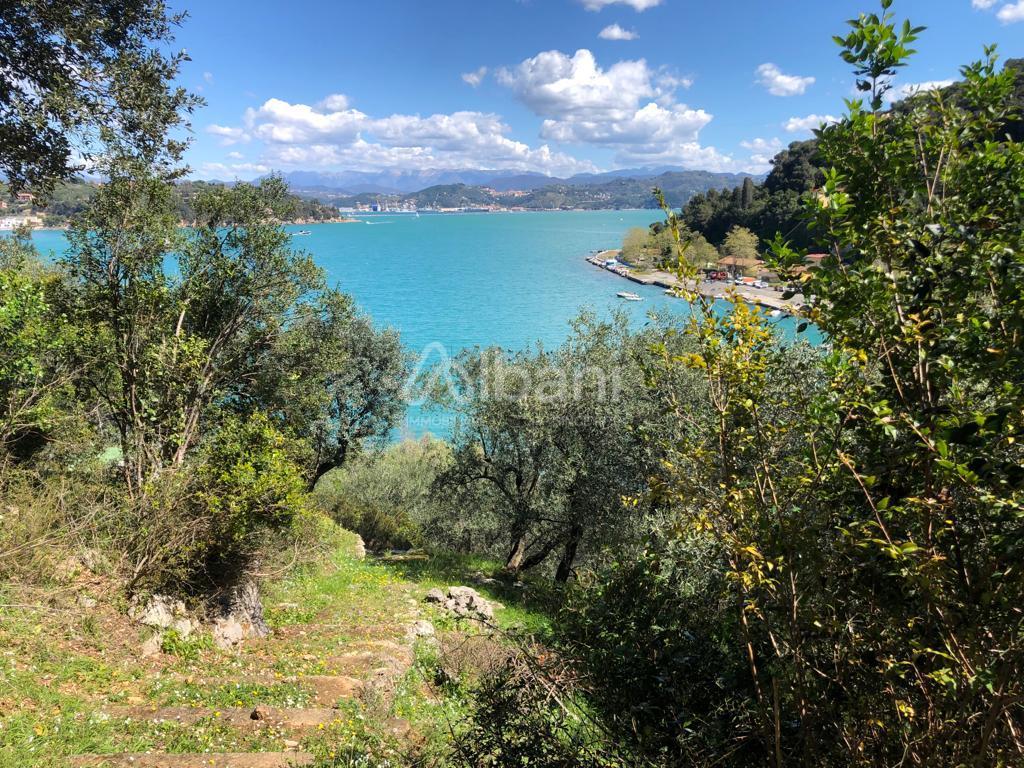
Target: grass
(62, 664)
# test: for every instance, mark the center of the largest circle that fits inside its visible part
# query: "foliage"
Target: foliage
(36, 374)
(866, 509)
(548, 445)
(386, 497)
(68, 67)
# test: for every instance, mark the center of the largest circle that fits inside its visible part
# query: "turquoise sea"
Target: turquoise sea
(460, 280)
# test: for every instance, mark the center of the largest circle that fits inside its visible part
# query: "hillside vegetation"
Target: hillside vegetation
(690, 543)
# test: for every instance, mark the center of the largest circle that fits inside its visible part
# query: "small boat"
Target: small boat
(629, 296)
(775, 313)
(303, 232)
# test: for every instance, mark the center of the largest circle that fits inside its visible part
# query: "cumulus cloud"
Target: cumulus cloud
(809, 123)
(332, 133)
(615, 32)
(476, 77)
(228, 134)
(1011, 12)
(234, 170)
(761, 153)
(910, 89)
(637, 5)
(627, 107)
(779, 84)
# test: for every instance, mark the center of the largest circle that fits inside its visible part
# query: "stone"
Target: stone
(359, 548)
(86, 602)
(420, 629)
(462, 602)
(163, 612)
(227, 633)
(153, 646)
(239, 616)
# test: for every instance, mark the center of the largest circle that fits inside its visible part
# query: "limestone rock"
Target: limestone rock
(359, 549)
(419, 630)
(152, 646)
(163, 612)
(227, 633)
(462, 602)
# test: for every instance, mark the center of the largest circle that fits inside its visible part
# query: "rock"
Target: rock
(163, 612)
(227, 633)
(480, 578)
(463, 602)
(420, 629)
(359, 549)
(84, 601)
(153, 646)
(239, 615)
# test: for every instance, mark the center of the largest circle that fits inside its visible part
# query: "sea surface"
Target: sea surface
(451, 281)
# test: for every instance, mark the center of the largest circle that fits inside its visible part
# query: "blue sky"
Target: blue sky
(555, 86)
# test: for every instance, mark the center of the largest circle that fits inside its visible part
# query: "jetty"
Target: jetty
(769, 298)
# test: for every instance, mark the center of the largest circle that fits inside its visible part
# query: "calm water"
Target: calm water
(506, 279)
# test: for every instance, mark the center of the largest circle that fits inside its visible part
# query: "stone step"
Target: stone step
(204, 760)
(327, 690)
(286, 719)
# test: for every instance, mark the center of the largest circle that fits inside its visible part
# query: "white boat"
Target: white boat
(629, 296)
(303, 232)
(775, 313)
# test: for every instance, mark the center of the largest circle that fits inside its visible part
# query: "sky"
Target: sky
(550, 86)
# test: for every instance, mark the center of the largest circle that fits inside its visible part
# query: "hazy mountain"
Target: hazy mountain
(396, 182)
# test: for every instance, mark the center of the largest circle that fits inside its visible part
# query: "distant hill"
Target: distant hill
(623, 188)
(613, 190)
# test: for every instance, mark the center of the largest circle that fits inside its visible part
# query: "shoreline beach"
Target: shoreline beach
(714, 289)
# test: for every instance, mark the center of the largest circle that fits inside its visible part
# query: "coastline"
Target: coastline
(767, 298)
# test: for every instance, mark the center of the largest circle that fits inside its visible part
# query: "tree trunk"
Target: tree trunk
(572, 545)
(327, 464)
(514, 560)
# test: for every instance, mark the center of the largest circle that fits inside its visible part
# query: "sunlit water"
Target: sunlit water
(448, 282)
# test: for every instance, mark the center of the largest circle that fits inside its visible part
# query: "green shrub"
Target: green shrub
(386, 497)
(205, 523)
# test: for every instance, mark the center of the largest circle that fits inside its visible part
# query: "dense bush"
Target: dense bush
(386, 497)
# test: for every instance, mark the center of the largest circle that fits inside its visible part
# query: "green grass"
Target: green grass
(61, 664)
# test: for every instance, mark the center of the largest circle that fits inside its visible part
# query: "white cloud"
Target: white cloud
(809, 123)
(208, 77)
(476, 77)
(637, 5)
(1011, 12)
(627, 107)
(615, 32)
(336, 102)
(555, 85)
(234, 170)
(228, 135)
(761, 153)
(779, 84)
(235, 156)
(334, 134)
(910, 89)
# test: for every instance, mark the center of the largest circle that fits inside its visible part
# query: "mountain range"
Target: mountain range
(398, 182)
